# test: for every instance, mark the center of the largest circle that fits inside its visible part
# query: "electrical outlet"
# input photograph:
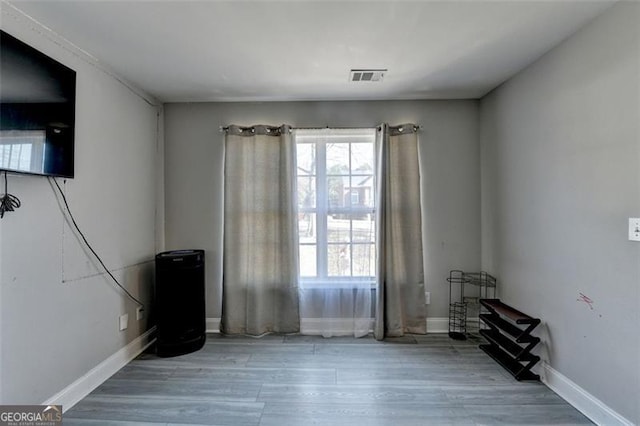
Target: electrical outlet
(124, 321)
(139, 313)
(427, 297)
(634, 229)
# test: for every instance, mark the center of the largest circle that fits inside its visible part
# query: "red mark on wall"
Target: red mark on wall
(585, 299)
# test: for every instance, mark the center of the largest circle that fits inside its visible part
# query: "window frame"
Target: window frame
(323, 210)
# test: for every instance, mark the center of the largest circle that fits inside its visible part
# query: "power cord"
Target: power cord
(73, 220)
(8, 202)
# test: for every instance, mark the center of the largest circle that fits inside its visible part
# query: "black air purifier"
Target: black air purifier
(180, 302)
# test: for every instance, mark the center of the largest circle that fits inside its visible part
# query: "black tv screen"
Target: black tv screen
(37, 111)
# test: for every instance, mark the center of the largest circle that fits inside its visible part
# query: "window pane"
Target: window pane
(356, 227)
(362, 158)
(363, 228)
(338, 260)
(338, 191)
(337, 158)
(364, 260)
(306, 156)
(308, 267)
(362, 191)
(306, 192)
(338, 228)
(307, 228)
(355, 198)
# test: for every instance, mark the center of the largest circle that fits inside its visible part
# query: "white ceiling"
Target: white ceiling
(265, 50)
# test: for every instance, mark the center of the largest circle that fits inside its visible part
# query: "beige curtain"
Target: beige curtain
(400, 304)
(260, 272)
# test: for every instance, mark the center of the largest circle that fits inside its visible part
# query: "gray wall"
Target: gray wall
(449, 151)
(560, 154)
(59, 313)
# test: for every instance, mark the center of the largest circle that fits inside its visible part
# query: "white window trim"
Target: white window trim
(322, 210)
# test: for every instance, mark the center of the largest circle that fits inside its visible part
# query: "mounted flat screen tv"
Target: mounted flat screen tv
(37, 111)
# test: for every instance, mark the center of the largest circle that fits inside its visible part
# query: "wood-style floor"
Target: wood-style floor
(308, 380)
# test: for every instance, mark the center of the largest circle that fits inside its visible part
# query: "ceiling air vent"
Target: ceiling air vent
(367, 75)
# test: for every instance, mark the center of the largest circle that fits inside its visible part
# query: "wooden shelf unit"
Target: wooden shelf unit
(509, 344)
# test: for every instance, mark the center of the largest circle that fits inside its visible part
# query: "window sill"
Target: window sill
(337, 284)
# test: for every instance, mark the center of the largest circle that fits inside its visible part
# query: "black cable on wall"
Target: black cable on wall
(75, 224)
(8, 202)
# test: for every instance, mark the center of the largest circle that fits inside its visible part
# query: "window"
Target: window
(336, 205)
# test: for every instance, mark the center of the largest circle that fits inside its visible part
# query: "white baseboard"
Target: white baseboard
(334, 326)
(441, 324)
(437, 325)
(316, 325)
(597, 411)
(212, 325)
(72, 394)
(309, 326)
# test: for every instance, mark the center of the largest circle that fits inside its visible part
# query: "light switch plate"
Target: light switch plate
(634, 229)
(124, 321)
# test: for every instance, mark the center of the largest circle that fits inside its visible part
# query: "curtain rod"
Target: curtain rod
(415, 126)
